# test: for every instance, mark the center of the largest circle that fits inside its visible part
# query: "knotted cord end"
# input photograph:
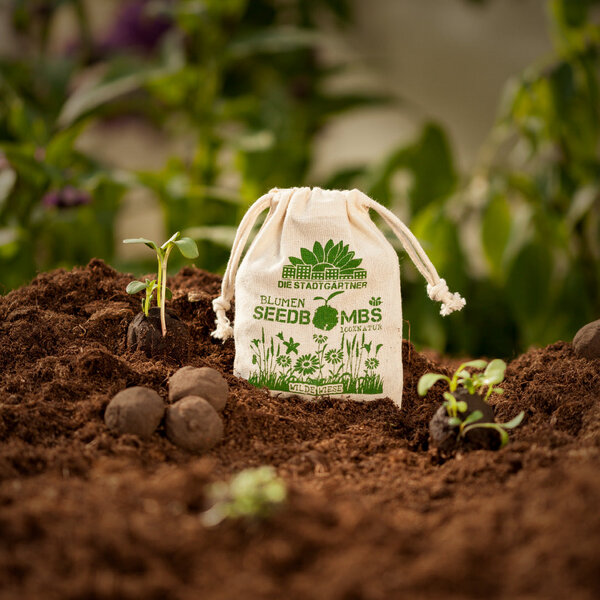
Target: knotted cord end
(223, 330)
(450, 302)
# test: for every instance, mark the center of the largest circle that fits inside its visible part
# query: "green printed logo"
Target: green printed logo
(326, 317)
(330, 262)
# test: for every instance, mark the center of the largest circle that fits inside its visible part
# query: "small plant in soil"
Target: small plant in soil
(250, 494)
(148, 330)
(186, 246)
(466, 417)
(135, 287)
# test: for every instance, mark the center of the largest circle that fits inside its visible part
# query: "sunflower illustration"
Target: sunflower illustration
(284, 361)
(307, 364)
(371, 363)
(334, 357)
(330, 256)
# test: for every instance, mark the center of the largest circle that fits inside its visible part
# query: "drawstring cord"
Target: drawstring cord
(222, 304)
(437, 289)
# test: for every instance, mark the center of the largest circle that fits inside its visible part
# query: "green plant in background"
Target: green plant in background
(529, 213)
(188, 249)
(243, 86)
(241, 83)
(456, 409)
(250, 494)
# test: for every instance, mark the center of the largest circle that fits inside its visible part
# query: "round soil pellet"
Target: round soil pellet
(587, 341)
(193, 424)
(136, 410)
(204, 382)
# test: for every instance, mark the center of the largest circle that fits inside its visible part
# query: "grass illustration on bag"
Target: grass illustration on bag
(318, 306)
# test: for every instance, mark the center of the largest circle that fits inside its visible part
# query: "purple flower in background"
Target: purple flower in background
(135, 27)
(67, 197)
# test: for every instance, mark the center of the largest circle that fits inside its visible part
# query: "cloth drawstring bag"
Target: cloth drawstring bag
(318, 310)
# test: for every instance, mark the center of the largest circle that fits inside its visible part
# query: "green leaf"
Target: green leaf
(318, 252)
(449, 398)
(333, 253)
(328, 247)
(168, 294)
(133, 287)
(187, 247)
(514, 422)
(462, 406)
(308, 257)
(352, 264)
(88, 98)
(476, 364)
(496, 228)
(148, 243)
(495, 427)
(428, 380)
(296, 261)
(494, 372)
(170, 240)
(342, 264)
(474, 416)
(8, 179)
(454, 421)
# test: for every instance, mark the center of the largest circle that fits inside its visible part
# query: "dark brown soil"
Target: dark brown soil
(373, 513)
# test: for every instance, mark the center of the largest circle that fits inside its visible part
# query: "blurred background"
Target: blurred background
(477, 122)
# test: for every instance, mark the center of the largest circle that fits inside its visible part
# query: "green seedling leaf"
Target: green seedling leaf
(454, 421)
(168, 293)
(494, 372)
(148, 243)
(428, 380)
(187, 247)
(133, 287)
(514, 422)
(476, 364)
(462, 406)
(171, 240)
(495, 426)
(474, 416)
(449, 398)
(498, 390)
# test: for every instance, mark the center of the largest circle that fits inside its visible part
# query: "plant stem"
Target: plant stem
(159, 280)
(163, 291)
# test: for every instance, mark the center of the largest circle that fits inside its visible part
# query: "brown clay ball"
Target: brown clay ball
(204, 382)
(193, 424)
(587, 341)
(136, 410)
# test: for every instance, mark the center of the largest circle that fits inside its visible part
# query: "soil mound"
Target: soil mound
(373, 513)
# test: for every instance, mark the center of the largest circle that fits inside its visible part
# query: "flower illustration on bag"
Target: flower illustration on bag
(347, 366)
(375, 301)
(290, 345)
(334, 357)
(326, 317)
(371, 363)
(284, 361)
(307, 364)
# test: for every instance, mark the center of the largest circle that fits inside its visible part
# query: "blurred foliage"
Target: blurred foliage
(245, 87)
(520, 236)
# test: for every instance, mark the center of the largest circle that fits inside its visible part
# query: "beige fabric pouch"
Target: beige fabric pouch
(318, 310)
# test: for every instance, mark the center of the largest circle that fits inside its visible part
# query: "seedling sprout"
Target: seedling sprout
(252, 493)
(188, 249)
(492, 375)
